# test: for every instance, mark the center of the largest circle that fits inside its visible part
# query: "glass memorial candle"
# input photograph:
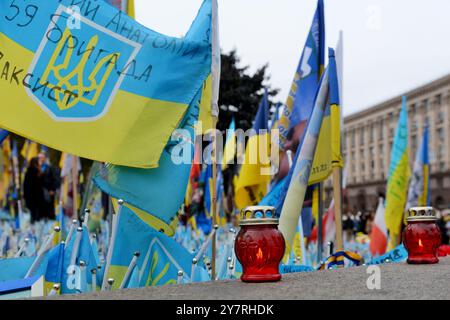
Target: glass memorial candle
(422, 236)
(259, 245)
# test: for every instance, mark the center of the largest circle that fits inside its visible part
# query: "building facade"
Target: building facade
(368, 137)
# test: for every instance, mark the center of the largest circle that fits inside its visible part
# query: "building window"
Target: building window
(353, 137)
(425, 105)
(372, 132)
(440, 117)
(438, 99)
(441, 134)
(361, 136)
(413, 109)
(441, 151)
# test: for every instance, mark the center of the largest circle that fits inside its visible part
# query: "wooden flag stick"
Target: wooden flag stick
(337, 207)
(320, 226)
(214, 198)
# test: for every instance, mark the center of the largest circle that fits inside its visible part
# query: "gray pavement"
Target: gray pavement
(398, 281)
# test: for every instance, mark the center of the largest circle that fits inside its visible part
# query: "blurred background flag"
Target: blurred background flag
(300, 101)
(398, 179)
(251, 184)
(3, 135)
(419, 186)
(229, 151)
(131, 113)
(378, 235)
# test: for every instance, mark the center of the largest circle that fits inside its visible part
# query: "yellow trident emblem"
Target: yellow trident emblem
(79, 90)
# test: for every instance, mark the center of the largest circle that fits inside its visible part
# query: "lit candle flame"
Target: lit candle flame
(420, 243)
(259, 255)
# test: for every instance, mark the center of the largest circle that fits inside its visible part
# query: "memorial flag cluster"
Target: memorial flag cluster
(139, 198)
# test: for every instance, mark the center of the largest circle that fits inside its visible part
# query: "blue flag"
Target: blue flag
(160, 256)
(306, 81)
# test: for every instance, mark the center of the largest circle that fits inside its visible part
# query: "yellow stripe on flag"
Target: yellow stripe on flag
(251, 184)
(122, 136)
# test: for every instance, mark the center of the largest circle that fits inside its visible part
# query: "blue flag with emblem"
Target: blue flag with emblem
(91, 69)
(160, 257)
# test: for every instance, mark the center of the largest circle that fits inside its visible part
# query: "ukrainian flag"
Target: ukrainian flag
(160, 257)
(419, 186)
(229, 151)
(55, 268)
(294, 190)
(398, 179)
(328, 151)
(300, 101)
(251, 184)
(29, 150)
(96, 84)
(155, 195)
(85, 253)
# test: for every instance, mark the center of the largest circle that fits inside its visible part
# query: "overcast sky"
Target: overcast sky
(390, 46)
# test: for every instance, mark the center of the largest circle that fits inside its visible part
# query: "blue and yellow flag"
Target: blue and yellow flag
(71, 282)
(55, 268)
(29, 150)
(328, 151)
(294, 189)
(398, 179)
(155, 195)
(300, 101)
(93, 82)
(251, 184)
(160, 257)
(229, 151)
(419, 186)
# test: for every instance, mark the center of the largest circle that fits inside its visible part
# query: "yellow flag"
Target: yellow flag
(254, 175)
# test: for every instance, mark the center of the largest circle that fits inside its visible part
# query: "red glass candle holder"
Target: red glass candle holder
(259, 246)
(422, 236)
